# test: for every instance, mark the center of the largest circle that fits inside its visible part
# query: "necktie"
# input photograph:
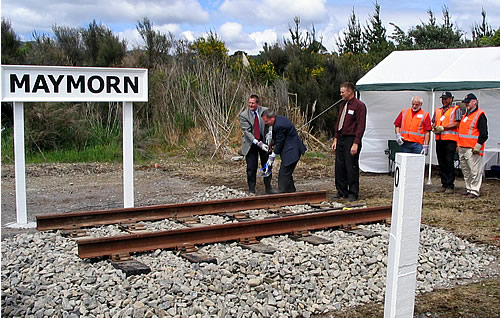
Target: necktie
(256, 130)
(342, 117)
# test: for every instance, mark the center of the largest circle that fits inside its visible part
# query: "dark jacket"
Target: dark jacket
(287, 142)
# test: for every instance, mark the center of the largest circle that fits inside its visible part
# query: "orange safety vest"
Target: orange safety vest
(445, 119)
(412, 127)
(468, 134)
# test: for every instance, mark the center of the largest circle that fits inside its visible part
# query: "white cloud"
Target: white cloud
(231, 31)
(273, 12)
(29, 15)
(267, 36)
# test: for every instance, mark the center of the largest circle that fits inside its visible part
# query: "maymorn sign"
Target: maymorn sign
(23, 83)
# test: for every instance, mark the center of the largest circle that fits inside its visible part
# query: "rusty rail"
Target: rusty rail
(107, 246)
(75, 220)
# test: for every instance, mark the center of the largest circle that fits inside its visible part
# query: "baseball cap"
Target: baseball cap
(469, 97)
(446, 95)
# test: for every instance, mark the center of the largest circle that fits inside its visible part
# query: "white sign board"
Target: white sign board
(23, 83)
(26, 83)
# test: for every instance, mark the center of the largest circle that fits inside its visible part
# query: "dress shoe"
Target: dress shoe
(336, 196)
(352, 199)
(271, 191)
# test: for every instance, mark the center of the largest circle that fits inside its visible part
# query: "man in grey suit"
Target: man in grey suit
(253, 144)
(288, 145)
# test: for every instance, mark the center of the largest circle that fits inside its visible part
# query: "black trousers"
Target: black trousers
(445, 151)
(285, 178)
(252, 159)
(346, 168)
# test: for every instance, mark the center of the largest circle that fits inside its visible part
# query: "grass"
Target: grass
(97, 153)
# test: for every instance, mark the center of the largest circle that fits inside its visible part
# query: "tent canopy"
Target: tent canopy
(389, 87)
(426, 70)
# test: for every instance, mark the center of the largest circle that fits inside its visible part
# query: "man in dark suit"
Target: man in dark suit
(288, 144)
(253, 143)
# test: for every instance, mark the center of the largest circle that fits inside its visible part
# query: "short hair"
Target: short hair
(268, 113)
(417, 99)
(255, 97)
(348, 85)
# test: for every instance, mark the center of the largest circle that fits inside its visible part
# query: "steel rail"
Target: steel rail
(75, 220)
(123, 244)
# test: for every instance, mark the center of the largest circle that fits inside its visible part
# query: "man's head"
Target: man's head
(269, 117)
(347, 90)
(446, 99)
(253, 102)
(416, 103)
(470, 101)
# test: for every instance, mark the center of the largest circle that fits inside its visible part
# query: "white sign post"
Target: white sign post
(404, 237)
(22, 83)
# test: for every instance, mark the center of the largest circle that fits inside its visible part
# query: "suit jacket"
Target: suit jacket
(246, 123)
(287, 142)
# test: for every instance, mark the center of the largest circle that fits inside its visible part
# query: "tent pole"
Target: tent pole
(431, 139)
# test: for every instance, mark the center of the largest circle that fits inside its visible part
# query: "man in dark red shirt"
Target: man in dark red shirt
(349, 131)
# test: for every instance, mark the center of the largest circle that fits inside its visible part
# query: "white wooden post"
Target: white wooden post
(404, 237)
(19, 155)
(128, 155)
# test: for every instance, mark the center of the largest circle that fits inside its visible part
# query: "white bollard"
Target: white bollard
(404, 237)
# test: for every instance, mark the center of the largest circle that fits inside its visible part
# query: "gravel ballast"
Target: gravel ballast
(43, 276)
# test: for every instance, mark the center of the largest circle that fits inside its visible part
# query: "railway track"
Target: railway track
(247, 231)
(77, 220)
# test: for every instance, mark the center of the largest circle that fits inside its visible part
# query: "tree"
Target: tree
(102, 48)
(482, 30)
(44, 51)
(352, 41)
(70, 42)
(374, 37)
(434, 36)
(403, 41)
(11, 45)
(157, 44)
(493, 40)
(210, 47)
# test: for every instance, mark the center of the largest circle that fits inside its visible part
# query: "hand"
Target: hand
(438, 129)
(269, 137)
(271, 159)
(399, 139)
(263, 146)
(334, 144)
(476, 148)
(425, 150)
(354, 149)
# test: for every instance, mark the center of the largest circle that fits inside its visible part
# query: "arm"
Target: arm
(247, 128)
(427, 136)
(482, 126)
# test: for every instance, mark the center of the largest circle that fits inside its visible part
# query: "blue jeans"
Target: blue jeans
(411, 147)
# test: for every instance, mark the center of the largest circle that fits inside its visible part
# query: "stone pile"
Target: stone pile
(43, 276)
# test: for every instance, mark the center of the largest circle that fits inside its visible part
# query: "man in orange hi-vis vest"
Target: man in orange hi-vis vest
(445, 127)
(413, 126)
(472, 136)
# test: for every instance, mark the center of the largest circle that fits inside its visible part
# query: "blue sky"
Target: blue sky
(243, 24)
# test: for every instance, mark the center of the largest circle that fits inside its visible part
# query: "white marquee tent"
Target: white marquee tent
(389, 87)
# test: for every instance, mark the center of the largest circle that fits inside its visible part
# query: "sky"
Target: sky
(244, 25)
